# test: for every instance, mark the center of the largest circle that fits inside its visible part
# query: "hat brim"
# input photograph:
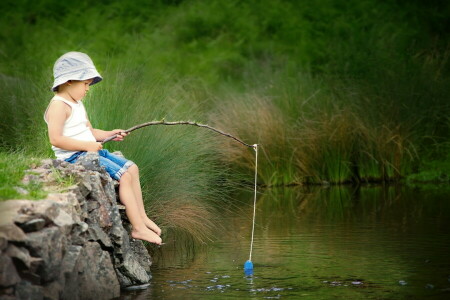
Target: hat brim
(85, 74)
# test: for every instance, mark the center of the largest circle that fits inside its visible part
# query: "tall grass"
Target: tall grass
(329, 143)
(333, 91)
(180, 174)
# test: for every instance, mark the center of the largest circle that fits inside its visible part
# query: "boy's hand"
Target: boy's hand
(94, 146)
(120, 134)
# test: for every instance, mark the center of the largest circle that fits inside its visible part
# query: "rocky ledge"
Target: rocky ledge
(73, 244)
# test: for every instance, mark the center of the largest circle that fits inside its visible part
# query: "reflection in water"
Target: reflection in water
(318, 243)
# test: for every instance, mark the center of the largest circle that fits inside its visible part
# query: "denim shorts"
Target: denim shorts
(114, 165)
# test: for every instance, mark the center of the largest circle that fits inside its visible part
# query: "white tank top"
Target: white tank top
(75, 127)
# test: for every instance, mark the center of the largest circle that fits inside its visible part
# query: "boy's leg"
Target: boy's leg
(134, 172)
(117, 168)
(128, 198)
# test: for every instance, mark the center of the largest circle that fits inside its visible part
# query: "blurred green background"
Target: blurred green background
(334, 91)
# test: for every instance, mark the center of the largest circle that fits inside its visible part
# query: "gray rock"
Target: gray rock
(8, 272)
(20, 254)
(90, 161)
(8, 294)
(12, 233)
(53, 290)
(69, 275)
(3, 243)
(26, 290)
(70, 259)
(30, 178)
(32, 225)
(140, 253)
(21, 219)
(79, 233)
(49, 245)
(93, 272)
(130, 272)
(57, 163)
(63, 219)
(21, 190)
(9, 210)
(46, 163)
(45, 209)
(97, 234)
(77, 244)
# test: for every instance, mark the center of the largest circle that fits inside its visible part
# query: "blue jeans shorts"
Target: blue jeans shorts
(114, 165)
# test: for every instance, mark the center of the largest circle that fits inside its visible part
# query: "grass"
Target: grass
(433, 170)
(181, 177)
(333, 92)
(12, 171)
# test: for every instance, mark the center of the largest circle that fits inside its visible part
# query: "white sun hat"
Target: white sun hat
(74, 66)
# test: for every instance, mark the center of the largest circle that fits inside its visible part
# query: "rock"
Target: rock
(128, 267)
(32, 225)
(52, 291)
(90, 161)
(72, 245)
(70, 259)
(26, 290)
(3, 243)
(12, 233)
(138, 249)
(46, 163)
(9, 210)
(47, 244)
(94, 272)
(20, 254)
(79, 233)
(30, 178)
(130, 272)
(21, 190)
(141, 255)
(63, 219)
(97, 234)
(85, 187)
(8, 272)
(57, 163)
(45, 209)
(7, 294)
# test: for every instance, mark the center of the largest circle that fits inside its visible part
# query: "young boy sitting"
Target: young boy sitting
(72, 136)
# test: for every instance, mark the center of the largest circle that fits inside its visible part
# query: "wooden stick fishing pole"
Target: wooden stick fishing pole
(163, 122)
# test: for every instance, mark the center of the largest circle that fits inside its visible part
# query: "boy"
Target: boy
(72, 136)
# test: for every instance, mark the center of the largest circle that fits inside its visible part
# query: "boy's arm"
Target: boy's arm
(100, 135)
(57, 114)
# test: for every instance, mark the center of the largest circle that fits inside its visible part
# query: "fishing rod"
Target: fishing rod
(248, 265)
(163, 122)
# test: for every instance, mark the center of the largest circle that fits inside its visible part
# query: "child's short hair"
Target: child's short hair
(74, 66)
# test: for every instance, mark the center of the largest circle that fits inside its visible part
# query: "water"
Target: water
(321, 243)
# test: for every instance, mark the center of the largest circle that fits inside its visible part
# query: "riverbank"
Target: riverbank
(73, 244)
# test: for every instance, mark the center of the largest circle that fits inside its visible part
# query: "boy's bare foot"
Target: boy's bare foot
(151, 225)
(146, 235)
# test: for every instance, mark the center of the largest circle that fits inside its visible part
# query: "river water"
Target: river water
(317, 243)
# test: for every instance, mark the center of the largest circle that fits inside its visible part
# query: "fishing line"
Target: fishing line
(248, 265)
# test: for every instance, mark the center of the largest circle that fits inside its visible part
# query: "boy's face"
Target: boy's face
(78, 88)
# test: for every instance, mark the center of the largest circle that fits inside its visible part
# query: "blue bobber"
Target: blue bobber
(248, 268)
